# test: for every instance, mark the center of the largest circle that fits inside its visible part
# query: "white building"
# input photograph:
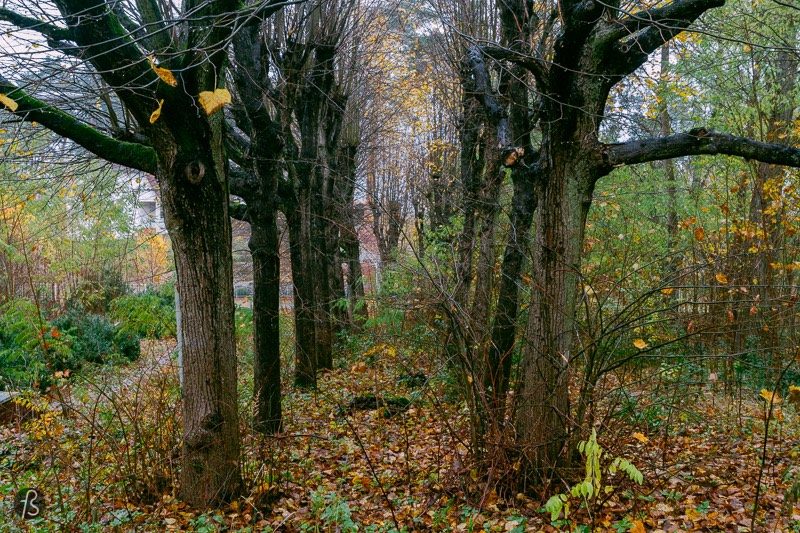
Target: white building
(147, 209)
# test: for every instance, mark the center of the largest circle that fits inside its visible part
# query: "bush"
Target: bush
(30, 347)
(150, 315)
(95, 339)
(21, 361)
(95, 293)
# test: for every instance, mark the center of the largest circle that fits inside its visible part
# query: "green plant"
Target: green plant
(94, 339)
(147, 315)
(592, 485)
(243, 319)
(206, 524)
(331, 511)
(29, 346)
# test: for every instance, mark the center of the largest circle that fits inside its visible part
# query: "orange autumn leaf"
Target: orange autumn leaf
(641, 437)
(154, 116)
(721, 278)
(637, 527)
(699, 233)
(640, 343)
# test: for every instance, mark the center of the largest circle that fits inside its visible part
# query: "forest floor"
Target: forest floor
(105, 448)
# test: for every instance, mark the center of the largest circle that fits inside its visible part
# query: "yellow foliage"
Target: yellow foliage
(213, 101)
(770, 396)
(8, 102)
(164, 74)
(154, 116)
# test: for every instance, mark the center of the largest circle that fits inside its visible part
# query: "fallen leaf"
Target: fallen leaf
(794, 395)
(699, 233)
(770, 396)
(721, 278)
(641, 437)
(640, 343)
(637, 527)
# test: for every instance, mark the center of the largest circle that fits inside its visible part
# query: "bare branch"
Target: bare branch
(698, 142)
(51, 31)
(532, 64)
(629, 42)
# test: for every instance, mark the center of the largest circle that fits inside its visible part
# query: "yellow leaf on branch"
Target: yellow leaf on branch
(157, 113)
(8, 102)
(213, 101)
(164, 74)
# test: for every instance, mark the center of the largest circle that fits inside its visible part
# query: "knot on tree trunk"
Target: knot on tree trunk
(195, 171)
(203, 436)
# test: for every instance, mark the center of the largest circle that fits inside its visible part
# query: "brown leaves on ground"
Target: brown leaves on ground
(334, 467)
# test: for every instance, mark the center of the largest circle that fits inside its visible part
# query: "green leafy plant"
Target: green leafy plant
(592, 485)
(94, 339)
(146, 315)
(332, 512)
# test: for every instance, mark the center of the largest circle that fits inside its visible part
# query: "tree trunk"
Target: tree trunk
(543, 409)
(320, 258)
(505, 320)
(348, 234)
(194, 193)
(264, 248)
(297, 218)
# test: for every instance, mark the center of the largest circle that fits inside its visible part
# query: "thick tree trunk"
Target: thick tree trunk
(264, 248)
(543, 410)
(194, 193)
